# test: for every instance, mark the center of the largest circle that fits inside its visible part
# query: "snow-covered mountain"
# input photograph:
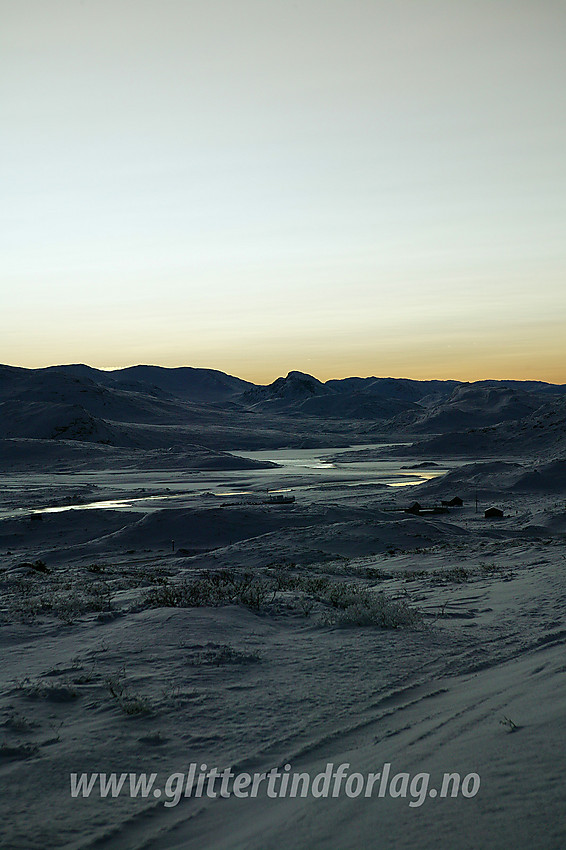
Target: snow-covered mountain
(185, 382)
(87, 405)
(473, 406)
(304, 394)
(402, 389)
(151, 407)
(541, 433)
(293, 389)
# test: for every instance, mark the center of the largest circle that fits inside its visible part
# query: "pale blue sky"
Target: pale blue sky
(338, 186)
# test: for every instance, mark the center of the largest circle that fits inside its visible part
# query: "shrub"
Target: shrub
(215, 588)
(357, 606)
(58, 593)
(130, 703)
(49, 691)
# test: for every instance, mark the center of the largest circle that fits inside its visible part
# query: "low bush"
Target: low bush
(357, 606)
(215, 588)
(353, 603)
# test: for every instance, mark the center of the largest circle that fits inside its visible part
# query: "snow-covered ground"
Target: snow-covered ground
(196, 628)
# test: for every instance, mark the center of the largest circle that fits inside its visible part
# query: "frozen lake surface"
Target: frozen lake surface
(298, 470)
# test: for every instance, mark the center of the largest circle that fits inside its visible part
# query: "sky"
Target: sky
(342, 187)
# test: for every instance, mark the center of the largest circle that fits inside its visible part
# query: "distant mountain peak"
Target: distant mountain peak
(297, 384)
(294, 374)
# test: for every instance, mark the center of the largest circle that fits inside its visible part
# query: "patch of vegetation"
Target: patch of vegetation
(510, 725)
(493, 569)
(224, 654)
(215, 588)
(456, 575)
(17, 751)
(352, 603)
(16, 722)
(129, 702)
(39, 566)
(358, 606)
(54, 692)
(59, 593)
(96, 568)
(154, 739)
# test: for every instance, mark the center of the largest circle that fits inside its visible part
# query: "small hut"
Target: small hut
(414, 509)
(279, 499)
(493, 513)
(456, 502)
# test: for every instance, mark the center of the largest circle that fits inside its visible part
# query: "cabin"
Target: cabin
(414, 509)
(280, 499)
(456, 502)
(493, 513)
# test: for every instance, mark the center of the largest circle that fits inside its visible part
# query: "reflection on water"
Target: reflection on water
(104, 504)
(302, 464)
(108, 504)
(233, 493)
(423, 476)
(113, 503)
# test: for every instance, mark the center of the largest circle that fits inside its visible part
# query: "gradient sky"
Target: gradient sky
(344, 187)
